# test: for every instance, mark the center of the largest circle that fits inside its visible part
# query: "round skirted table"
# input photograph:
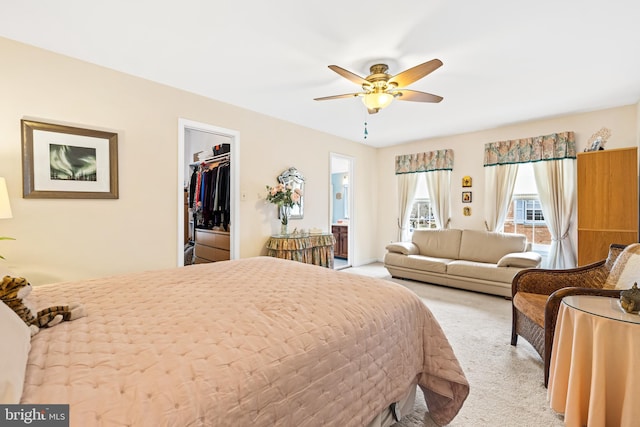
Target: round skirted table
(594, 377)
(314, 249)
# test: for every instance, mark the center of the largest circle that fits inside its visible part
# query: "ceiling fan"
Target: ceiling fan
(381, 88)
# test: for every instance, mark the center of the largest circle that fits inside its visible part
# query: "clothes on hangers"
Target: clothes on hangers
(209, 191)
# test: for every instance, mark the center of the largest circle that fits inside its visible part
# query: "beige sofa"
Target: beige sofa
(469, 259)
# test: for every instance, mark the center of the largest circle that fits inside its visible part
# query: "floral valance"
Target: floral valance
(424, 162)
(548, 147)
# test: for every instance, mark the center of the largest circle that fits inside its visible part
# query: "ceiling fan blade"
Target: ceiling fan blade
(346, 95)
(349, 75)
(414, 95)
(409, 76)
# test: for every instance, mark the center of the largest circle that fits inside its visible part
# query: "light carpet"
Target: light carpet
(506, 382)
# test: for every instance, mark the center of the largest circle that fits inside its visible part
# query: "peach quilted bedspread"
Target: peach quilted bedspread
(253, 342)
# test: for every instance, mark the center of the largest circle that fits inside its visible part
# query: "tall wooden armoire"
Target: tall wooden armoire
(607, 201)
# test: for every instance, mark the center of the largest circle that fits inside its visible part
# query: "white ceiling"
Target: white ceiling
(505, 61)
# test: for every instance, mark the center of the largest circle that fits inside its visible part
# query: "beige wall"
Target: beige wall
(469, 155)
(76, 239)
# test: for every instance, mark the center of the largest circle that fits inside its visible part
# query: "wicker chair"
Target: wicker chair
(537, 293)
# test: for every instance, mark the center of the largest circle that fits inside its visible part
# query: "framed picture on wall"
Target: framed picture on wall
(64, 162)
(466, 197)
(466, 181)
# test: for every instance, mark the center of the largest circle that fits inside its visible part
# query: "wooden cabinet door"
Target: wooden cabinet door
(607, 201)
(341, 234)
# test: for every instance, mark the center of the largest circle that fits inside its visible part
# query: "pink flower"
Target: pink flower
(284, 195)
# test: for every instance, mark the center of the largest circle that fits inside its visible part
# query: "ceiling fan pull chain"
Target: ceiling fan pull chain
(365, 130)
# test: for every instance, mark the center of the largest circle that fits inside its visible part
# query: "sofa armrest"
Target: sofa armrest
(405, 248)
(521, 260)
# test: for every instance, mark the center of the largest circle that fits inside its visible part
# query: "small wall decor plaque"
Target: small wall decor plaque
(466, 211)
(466, 181)
(466, 197)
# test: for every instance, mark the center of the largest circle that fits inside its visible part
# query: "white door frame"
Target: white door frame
(350, 201)
(234, 140)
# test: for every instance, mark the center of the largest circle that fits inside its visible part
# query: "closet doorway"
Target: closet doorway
(341, 208)
(194, 137)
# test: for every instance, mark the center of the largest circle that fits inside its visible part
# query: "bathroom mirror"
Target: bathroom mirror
(294, 178)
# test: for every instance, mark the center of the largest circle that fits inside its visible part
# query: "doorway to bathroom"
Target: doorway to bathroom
(341, 208)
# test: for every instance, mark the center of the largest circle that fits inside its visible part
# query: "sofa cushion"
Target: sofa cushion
(430, 264)
(531, 305)
(482, 271)
(486, 246)
(405, 248)
(417, 262)
(626, 269)
(521, 260)
(438, 243)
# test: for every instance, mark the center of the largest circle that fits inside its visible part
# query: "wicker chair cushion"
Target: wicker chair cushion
(626, 269)
(531, 305)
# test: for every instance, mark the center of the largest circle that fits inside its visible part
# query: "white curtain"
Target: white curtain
(499, 182)
(407, 184)
(439, 186)
(556, 188)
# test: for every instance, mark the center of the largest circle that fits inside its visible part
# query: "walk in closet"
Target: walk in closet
(209, 205)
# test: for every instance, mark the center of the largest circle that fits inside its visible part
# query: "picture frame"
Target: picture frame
(65, 162)
(466, 197)
(466, 211)
(466, 181)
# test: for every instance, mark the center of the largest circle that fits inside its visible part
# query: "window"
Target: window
(421, 213)
(527, 209)
(525, 213)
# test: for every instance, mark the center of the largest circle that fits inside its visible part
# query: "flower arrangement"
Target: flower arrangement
(285, 197)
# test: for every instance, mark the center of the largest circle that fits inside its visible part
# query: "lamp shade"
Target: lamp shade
(5, 207)
(377, 100)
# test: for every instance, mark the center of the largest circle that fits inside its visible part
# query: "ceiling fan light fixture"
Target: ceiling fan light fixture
(377, 100)
(379, 88)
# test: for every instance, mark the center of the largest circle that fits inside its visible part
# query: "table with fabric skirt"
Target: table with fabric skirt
(594, 378)
(314, 249)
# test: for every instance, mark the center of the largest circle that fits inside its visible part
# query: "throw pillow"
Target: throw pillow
(14, 335)
(405, 248)
(626, 269)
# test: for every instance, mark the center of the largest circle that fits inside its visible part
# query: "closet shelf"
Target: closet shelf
(219, 157)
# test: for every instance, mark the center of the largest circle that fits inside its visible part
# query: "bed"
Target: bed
(252, 342)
